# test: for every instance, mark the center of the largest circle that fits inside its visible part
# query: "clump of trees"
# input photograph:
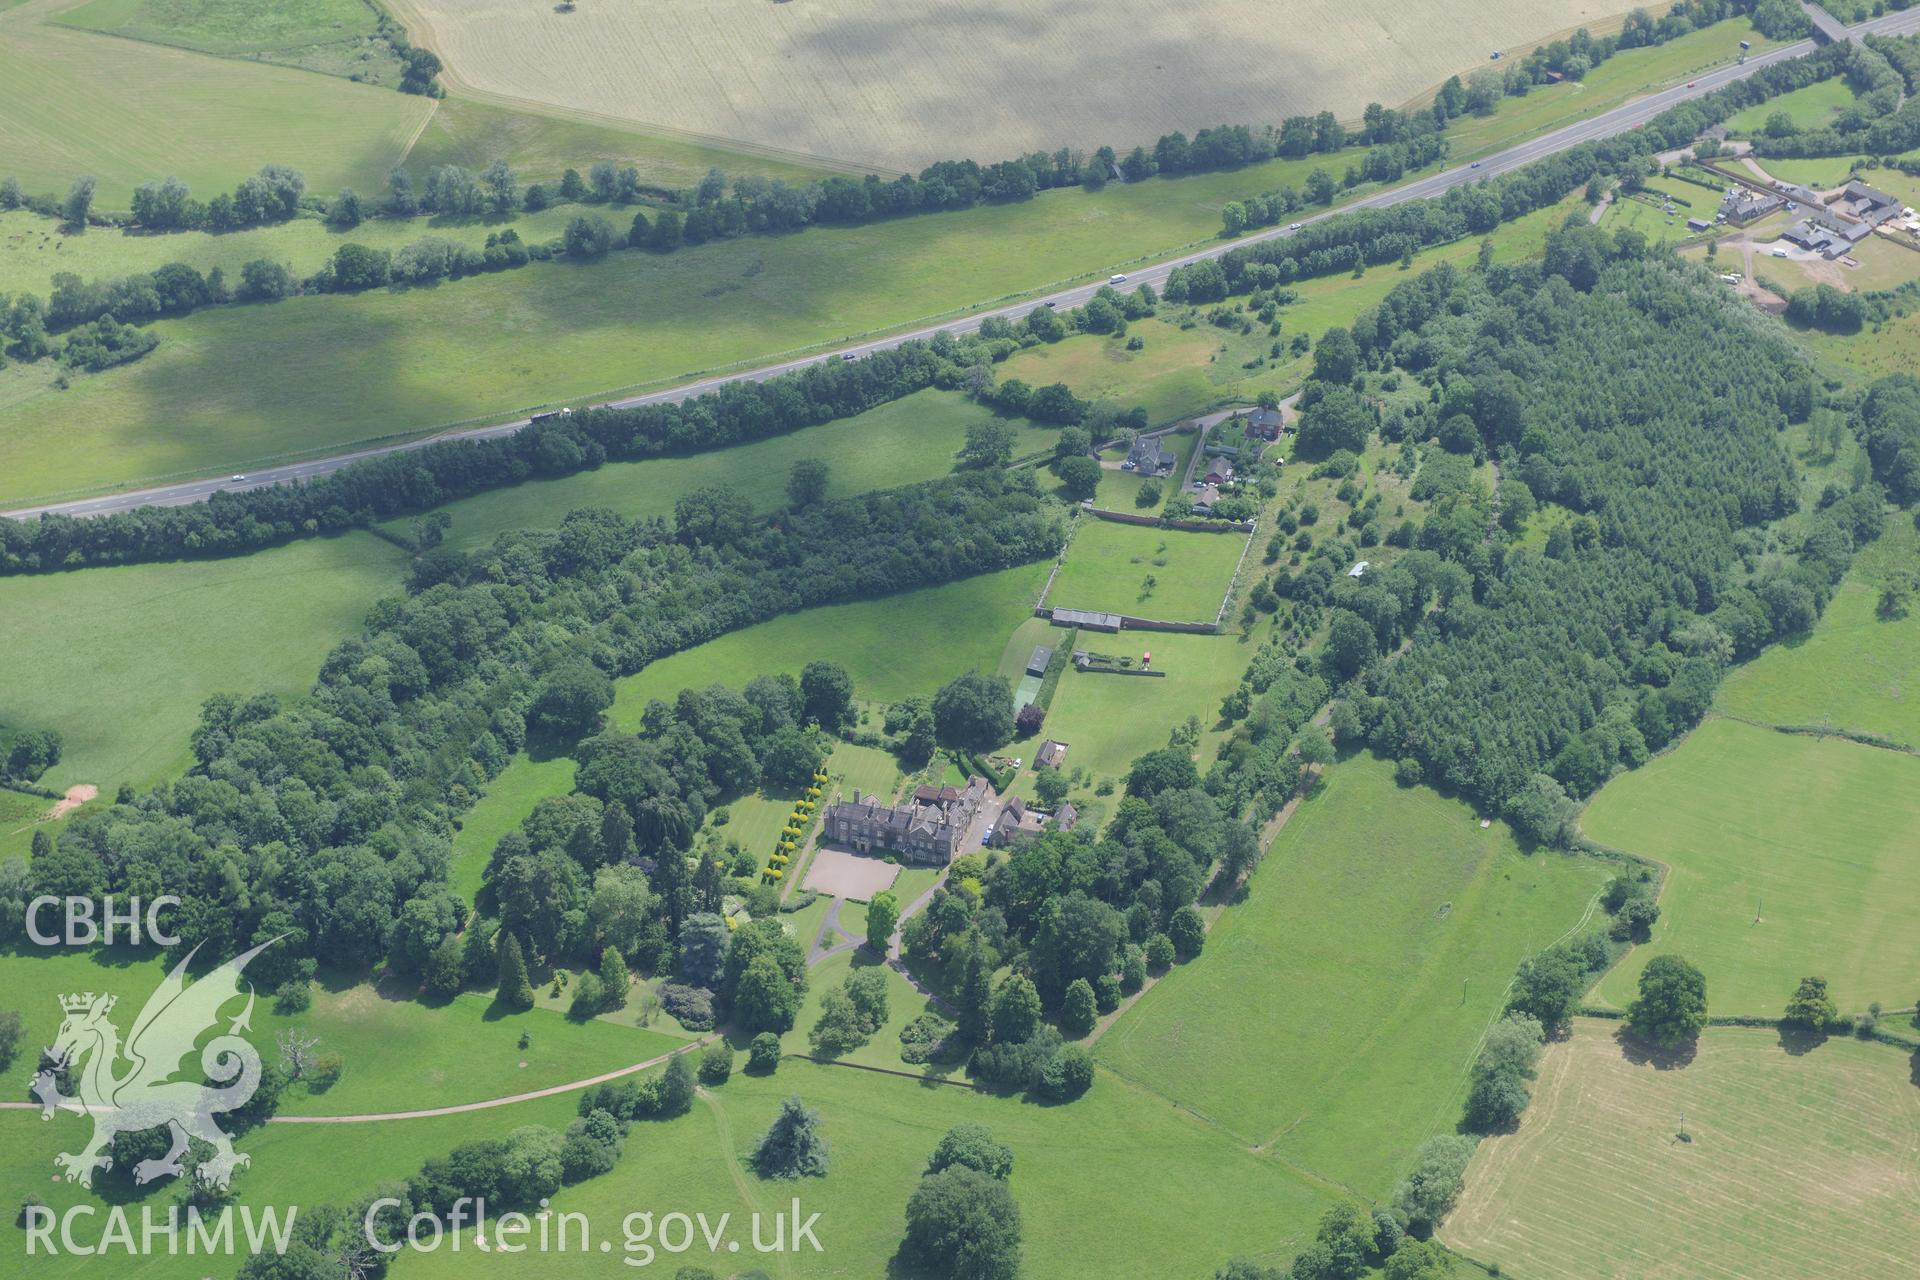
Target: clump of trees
(962, 1220)
(1671, 1008)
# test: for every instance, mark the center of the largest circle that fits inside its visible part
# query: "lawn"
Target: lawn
(1114, 1184)
(334, 37)
(509, 798)
(120, 659)
(1334, 1014)
(1109, 721)
(899, 443)
(1810, 108)
(295, 1167)
(1147, 572)
(1856, 671)
(401, 1054)
(1168, 374)
(894, 647)
(1818, 172)
(1790, 856)
(1796, 1165)
(66, 97)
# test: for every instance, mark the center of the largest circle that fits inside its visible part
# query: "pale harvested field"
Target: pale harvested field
(1800, 1165)
(908, 82)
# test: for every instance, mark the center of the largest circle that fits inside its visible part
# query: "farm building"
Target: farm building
(1084, 618)
(1038, 660)
(1051, 755)
(1825, 234)
(930, 827)
(1149, 458)
(1698, 224)
(1868, 205)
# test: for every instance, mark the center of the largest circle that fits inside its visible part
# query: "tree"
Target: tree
(1159, 953)
(11, 1029)
(501, 189)
(790, 756)
(587, 235)
(614, 978)
(974, 711)
(988, 444)
(807, 482)
(264, 280)
(1335, 357)
(1187, 932)
(840, 1028)
(883, 916)
(1418, 1260)
(976, 995)
(569, 701)
(79, 202)
(1498, 1093)
(347, 210)
(826, 693)
(514, 990)
(1077, 1011)
(1430, 1191)
(964, 1224)
(1027, 721)
(1811, 1007)
(971, 1146)
(792, 1146)
(1166, 769)
(1016, 1010)
(665, 236)
(716, 1064)
(1067, 1075)
(676, 1090)
(765, 999)
(1672, 1005)
(703, 948)
(763, 1054)
(1548, 986)
(1079, 476)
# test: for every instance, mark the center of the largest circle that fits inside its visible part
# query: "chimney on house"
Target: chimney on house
(856, 795)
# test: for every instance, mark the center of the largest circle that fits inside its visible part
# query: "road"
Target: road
(1618, 120)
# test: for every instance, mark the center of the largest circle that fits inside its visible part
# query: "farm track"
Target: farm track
(1619, 119)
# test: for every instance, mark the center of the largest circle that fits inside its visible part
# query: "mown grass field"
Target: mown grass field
(894, 647)
(1809, 108)
(1333, 1016)
(67, 98)
(1144, 572)
(1110, 721)
(401, 1054)
(295, 1167)
(1799, 1165)
(1171, 1193)
(508, 798)
(1790, 856)
(334, 37)
(1621, 78)
(1818, 172)
(33, 248)
(1857, 671)
(120, 659)
(938, 83)
(900, 443)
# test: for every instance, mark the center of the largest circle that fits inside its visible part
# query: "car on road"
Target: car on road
(1049, 303)
(1693, 84)
(1295, 226)
(236, 479)
(848, 355)
(1119, 279)
(1474, 165)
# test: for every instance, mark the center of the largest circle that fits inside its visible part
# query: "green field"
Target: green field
(1171, 1196)
(1790, 856)
(508, 798)
(335, 37)
(120, 659)
(1857, 671)
(1145, 572)
(1809, 108)
(895, 647)
(1110, 721)
(1797, 1165)
(542, 143)
(1818, 172)
(69, 99)
(397, 1049)
(1623, 77)
(899, 443)
(1334, 1014)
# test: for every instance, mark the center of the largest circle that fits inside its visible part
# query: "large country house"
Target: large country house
(929, 827)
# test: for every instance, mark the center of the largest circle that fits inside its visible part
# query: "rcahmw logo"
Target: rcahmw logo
(133, 1088)
(83, 931)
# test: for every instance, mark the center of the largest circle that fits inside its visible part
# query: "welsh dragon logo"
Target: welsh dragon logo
(146, 1093)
